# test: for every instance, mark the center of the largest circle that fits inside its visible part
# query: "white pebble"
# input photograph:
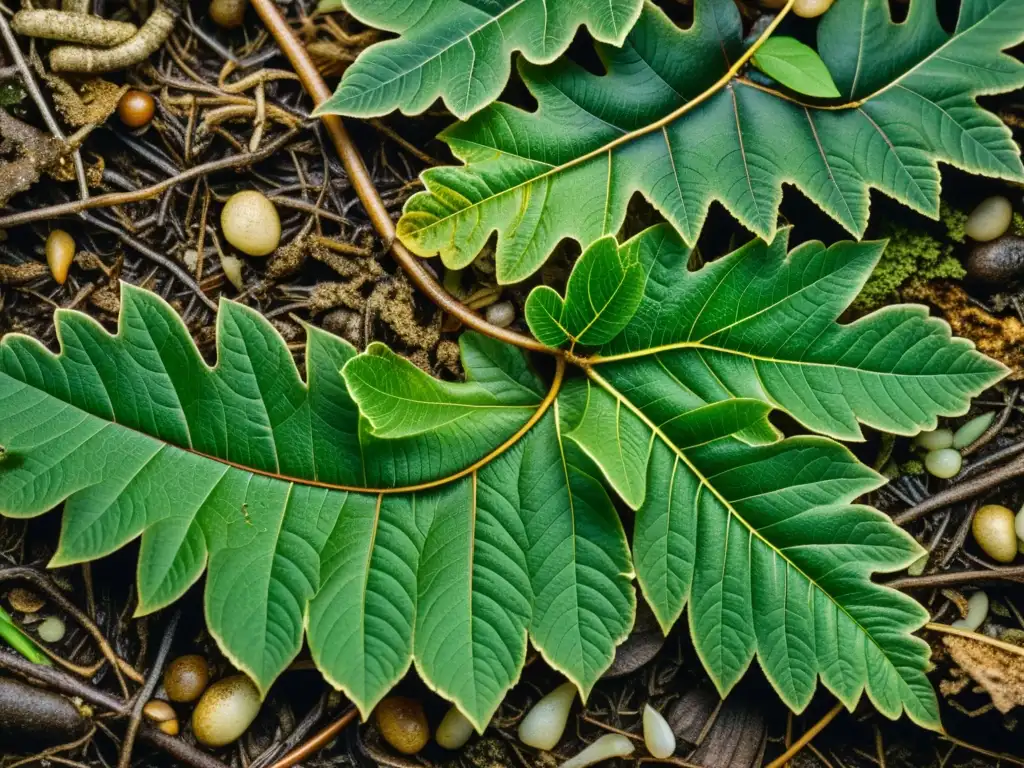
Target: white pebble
(990, 219)
(943, 463)
(250, 222)
(658, 736)
(935, 440)
(977, 612)
(605, 748)
(51, 630)
(501, 314)
(544, 725)
(454, 730)
(973, 429)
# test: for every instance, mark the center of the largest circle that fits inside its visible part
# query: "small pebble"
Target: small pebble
(544, 724)
(809, 9)
(998, 262)
(250, 223)
(225, 711)
(973, 429)
(25, 601)
(935, 440)
(977, 612)
(454, 730)
(943, 463)
(403, 724)
(501, 314)
(605, 748)
(186, 678)
(990, 219)
(60, 252)
(51, 630)
(136, 108)
(993, 527)
(658, 736)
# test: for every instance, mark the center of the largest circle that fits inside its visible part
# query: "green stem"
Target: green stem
(19, 641)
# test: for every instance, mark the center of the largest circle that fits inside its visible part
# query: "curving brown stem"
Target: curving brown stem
(414, 267)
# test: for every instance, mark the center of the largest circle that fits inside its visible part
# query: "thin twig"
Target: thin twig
(71, 686)
(135, 720)
(811, 732)
(318, 741)
(1014, 573)
(963, 491)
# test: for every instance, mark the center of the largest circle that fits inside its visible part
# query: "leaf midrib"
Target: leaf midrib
(704, 482)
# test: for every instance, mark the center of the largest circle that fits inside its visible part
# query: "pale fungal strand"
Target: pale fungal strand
(145, 42)
(544, 725)
(977, 612)
(658, 736)
(72, 28)
(454, 730)
(605, 748)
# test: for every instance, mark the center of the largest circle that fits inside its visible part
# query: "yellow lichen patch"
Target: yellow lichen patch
(999, 337)
(998, 671)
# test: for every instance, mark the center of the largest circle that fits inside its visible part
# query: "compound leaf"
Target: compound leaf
(461, 50)
(669, 122)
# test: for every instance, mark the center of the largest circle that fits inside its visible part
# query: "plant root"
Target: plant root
(72, 28)
(35, 717)
(141, 46)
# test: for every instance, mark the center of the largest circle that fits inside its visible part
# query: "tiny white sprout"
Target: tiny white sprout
(658, 736)
(977, 612)
(605, 748)
(544, 725)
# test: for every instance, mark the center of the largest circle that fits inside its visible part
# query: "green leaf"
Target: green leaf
(460, 50)
(397, 520)
(667, 122)
(601, 296)
(796, 66)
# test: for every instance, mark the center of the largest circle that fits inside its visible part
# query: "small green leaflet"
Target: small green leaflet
(461, 50)
(795, 66)
(668, 122)
(392, 519)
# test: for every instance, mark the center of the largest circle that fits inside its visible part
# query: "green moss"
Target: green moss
(955, 222)
(909, 254)
(1017, 224)
(912, 467)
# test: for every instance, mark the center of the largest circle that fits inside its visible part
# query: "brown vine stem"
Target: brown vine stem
(804, 740)
(358, 174)
(963, 491)
(308, 748)
(1016, 573)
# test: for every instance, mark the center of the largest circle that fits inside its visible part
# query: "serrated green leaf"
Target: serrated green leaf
(796, 66)
(661, 123)
(602, 294)
(401, 520)
(460, 51)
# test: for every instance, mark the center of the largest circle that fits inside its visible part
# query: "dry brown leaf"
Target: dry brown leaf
(34, 152)
(19, 274)
(999, 337)
(94, 103)
(999, 672)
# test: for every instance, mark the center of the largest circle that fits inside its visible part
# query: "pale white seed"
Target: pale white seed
(232, 267)
(225, 711)
(1019, 525)
(544, 725)
(658, 736)
(993, 527)
(917, 567)
(250, 223)
(972, 430)
(977, 612)
(51, 630)
(454, 730)
(501, 314)
(943, 463)
(605, 748)
(990, 219)
(935, 440)
(811, 8)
